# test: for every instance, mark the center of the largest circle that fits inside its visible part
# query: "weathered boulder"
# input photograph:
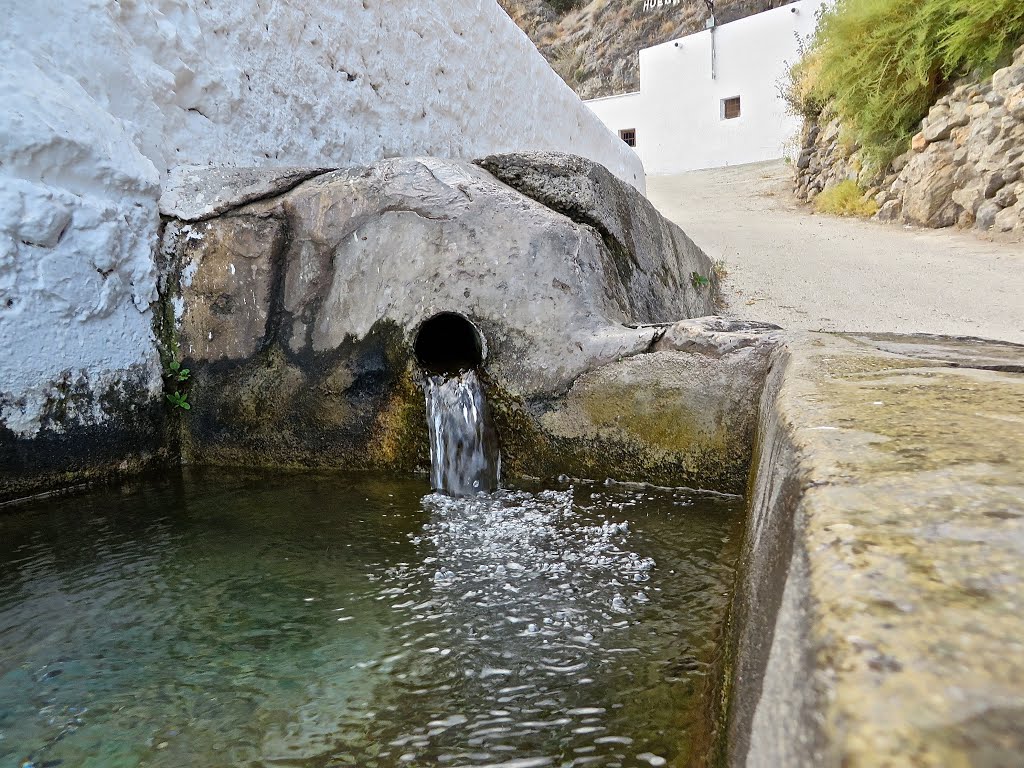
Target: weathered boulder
(1006, 80)
(992, 183)
(194, 193)
(968, 149)
(986, 214)
(644, 242)
(940, 129)
(889, 211)
(1015, 102)
(1005, 197)
(926, 198)
(1007, 220)
(969, 197)
(297, 314)
(682, 414)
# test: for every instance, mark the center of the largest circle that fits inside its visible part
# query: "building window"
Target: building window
(730, 108)
(628, 135)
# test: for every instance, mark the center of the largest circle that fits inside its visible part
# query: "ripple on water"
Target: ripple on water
(326, 621)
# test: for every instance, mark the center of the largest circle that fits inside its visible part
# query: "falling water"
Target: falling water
(464, 456)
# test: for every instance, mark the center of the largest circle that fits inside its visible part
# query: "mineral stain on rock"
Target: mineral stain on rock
(85, 436)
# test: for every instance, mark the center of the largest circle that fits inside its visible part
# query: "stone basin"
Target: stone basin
(876, 618)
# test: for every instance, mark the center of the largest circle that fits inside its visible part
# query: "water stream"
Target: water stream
(464, 457)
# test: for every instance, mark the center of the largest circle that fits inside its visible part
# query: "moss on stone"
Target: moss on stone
(929, 418)
(85, 437)
(654, 417)
(617, 440)
(356, 407)
(400, 432)
(260, 396)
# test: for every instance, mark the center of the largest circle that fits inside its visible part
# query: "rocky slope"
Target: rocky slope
(965, 168)
(593, 45)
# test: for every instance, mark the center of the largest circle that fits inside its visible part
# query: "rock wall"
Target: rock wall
(964, 168)
(102, 98)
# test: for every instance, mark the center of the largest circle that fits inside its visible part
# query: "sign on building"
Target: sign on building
(653, 5)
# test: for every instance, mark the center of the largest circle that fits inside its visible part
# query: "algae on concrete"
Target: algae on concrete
(886, 536)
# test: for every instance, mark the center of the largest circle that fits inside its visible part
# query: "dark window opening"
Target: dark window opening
(448, 343)
(628, 135)
(730, 108)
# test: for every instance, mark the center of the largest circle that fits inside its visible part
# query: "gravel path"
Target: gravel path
(789, 266)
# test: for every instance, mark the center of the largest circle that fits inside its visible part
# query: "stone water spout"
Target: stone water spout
(464, 454)
(310, 317)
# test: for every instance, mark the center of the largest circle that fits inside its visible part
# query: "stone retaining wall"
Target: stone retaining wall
(299, 314)
(964, 168)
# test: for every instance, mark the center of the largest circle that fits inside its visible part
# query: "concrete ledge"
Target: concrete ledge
(879, 620)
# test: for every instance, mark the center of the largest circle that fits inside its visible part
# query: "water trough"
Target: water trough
(339, 324)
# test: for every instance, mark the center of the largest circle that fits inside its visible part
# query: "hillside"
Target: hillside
(593, 46)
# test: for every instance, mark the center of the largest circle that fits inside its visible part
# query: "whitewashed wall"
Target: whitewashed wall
(677, 112)
(100, 98)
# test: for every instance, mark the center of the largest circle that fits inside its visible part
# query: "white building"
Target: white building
(712, 98)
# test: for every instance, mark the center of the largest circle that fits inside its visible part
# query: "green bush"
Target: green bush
(845, 199)
(881, 64)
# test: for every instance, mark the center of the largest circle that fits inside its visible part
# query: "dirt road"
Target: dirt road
(817, 272)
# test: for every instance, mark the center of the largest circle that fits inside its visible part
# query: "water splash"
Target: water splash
(464, 456)
(519, 622)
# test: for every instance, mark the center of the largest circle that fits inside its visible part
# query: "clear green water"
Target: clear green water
(228, 620)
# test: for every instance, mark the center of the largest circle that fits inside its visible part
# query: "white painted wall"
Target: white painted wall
(677, 112)
(100, 98)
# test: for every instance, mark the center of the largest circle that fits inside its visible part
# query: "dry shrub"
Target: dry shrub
(845, 199)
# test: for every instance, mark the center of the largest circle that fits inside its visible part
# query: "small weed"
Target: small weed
(177, 372)
(845, 199)
(179, 400)
(720, 269)
(176, 375)
(699, 281)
